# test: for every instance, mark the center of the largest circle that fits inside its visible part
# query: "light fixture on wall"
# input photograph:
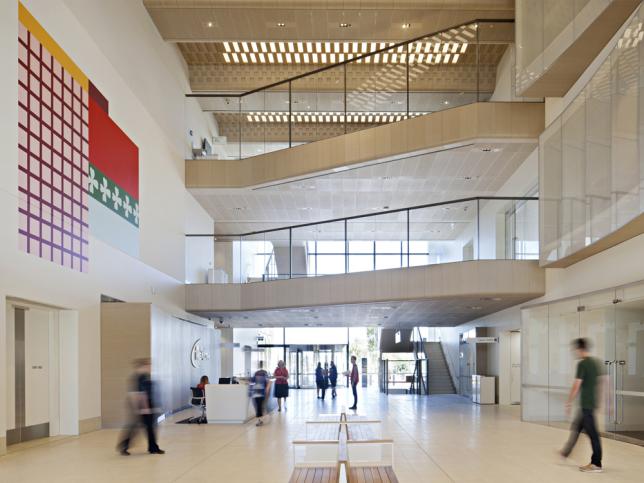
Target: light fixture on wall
(281, 24)
(406, 25)
(345, 25)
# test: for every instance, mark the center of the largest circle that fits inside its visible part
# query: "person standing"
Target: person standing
(355, 378)
(143, 409)
(318, 378)
(258, 388)
(587, 383)
(281, 384)
(325, 379)
(333, 378)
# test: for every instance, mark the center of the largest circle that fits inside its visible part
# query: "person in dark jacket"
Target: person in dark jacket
(144, 411)
(325, 379)
(333, 378)
(319, 378)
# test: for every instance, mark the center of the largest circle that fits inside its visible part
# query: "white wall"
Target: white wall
(118, 48)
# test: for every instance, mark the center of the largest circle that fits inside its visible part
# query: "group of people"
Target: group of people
(325, 376)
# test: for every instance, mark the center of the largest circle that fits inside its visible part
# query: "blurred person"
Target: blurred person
(203, 382)
(333, 378)
(281, 384)
(587, 384)
(318, 378)
(325, 379)
(258, 389)
(355, 378)
(143, 411)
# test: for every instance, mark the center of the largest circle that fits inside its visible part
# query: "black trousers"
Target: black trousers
(585, 421)
(259, 406)
(149, 422)
(354, 389)
(333, 384)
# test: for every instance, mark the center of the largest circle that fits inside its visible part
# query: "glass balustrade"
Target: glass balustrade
(482, 228)
(343, 87)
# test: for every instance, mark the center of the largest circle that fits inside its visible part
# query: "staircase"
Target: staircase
(439, 379)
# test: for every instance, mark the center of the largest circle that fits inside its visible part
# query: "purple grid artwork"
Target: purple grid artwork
(53, 158)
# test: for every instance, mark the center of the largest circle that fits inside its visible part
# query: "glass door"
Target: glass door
(598, 326)
(628, 372)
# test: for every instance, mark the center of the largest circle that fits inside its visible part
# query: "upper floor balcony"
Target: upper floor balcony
(399, 255)
(361, 102)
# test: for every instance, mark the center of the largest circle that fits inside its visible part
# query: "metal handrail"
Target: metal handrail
(354, 59)
(370, 215)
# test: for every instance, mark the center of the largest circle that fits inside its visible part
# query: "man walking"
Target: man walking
(143, 409)
(586, 384)
(355, 378)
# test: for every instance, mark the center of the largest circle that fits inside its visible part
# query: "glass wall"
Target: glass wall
(545, 29)
(484, 228)
(613, 321)
(591, 164)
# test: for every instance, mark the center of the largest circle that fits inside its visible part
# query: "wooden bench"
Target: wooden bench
(315, 475)
(366, 474)
(317, 454)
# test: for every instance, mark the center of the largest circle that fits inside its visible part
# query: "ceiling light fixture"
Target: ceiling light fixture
(406, 25)
(328, 116)
(281, 24)
(345, 25)
(209, 24)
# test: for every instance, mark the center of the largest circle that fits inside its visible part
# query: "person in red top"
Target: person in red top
(281, 384)
(355, 378)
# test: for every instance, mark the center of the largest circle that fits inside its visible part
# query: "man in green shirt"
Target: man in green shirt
(587, 382)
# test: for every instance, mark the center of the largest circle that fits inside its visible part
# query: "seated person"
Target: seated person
(202, 385)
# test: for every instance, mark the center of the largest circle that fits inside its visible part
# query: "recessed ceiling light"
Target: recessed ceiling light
(406, 25)
(209, 24)
(281, 24)
(345, 25)
(446, 102)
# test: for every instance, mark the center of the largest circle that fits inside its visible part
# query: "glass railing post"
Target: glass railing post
(239, 126)
(478, 63)
(290, 114)
(407, 77)
(478, 229)
(290, 250)
(345, 98)
(408, 250)
(346, 249)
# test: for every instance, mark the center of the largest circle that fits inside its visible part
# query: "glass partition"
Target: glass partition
(351, 86)
(590, 159)
(613, 323)
(471, 229)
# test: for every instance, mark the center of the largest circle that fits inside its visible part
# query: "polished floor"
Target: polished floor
(437, 439)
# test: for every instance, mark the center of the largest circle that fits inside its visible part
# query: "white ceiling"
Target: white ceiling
(446, 312)
(446, 175)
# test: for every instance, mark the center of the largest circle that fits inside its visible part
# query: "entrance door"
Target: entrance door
(304, 359)
(628, 372)
(30, 371)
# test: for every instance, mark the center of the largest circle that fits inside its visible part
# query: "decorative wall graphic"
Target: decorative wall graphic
(77, 170)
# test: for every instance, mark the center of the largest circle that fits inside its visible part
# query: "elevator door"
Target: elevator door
(31, 375)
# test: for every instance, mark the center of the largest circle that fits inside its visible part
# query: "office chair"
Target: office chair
(198, 400)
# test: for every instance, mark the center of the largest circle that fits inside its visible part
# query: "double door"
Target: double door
(618, 332)
(303, 360)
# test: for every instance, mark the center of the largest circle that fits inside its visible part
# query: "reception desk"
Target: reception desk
(230, 404)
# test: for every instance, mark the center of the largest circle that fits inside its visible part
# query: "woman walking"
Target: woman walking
(281, 384)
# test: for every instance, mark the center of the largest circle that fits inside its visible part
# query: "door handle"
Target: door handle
(611, 416)
(621, 385)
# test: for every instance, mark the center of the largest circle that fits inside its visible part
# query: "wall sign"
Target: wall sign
(197, 354)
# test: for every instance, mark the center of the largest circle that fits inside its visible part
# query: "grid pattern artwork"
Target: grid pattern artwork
(53, 157)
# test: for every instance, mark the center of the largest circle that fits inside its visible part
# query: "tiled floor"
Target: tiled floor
(437, 439)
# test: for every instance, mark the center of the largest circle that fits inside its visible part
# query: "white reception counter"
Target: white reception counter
(230, 404)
